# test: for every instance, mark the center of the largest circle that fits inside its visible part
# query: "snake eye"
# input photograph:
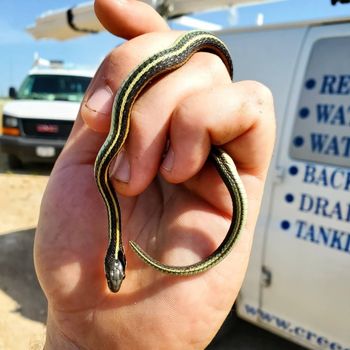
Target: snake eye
(115, 274)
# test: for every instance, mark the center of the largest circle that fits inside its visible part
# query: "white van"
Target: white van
(298, 281)
(36, 124)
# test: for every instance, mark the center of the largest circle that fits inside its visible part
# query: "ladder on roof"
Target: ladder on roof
(174, 8)
(81, 20)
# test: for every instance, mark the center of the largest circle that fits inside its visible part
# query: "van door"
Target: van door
(307, 250)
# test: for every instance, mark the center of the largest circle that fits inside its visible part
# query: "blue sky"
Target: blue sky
(18, 48)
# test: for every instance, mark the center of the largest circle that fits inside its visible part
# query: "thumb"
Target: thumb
(129, 18)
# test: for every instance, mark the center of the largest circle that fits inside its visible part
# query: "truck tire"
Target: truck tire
(14, 162)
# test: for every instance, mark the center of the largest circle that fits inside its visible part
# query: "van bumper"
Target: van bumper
(31, 150)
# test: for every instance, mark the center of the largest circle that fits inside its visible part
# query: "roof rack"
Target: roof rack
(45, 63)
(81, 20)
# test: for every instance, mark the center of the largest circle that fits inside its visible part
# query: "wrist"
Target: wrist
(55, 339)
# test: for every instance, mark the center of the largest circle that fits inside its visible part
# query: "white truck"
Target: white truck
(37, 122)
(298, 280)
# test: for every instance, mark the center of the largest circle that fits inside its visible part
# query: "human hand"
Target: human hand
(178, 216)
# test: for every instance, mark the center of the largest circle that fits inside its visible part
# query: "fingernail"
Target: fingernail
(101, 100)
(168, 161)
(121, 168)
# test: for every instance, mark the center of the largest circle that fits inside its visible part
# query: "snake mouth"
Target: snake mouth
(114, 285)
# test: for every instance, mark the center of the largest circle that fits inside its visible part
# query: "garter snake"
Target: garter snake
(164, 61)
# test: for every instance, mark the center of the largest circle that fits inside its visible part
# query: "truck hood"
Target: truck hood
(29, 109)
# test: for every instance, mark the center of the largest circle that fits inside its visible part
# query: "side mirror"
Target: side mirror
(12, 92)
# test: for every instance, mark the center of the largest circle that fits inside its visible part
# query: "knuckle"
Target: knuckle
(120, 52)
(260, 97)
(260, 92)
(186, 119)
(211, 65)
(117, 65)
(181, 113)
(216, 65)
(138, 119)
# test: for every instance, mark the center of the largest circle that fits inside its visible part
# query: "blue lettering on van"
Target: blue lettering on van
(330, 145)
(335, 84)
(337, 179)
(326, 236)
(290, 328)
(332, 114)
(322, 206)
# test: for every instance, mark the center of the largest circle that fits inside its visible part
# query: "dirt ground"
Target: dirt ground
(22, 303)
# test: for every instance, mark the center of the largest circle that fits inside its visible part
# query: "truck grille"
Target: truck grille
(47, 129)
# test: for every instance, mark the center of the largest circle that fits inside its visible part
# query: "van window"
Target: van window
(321, 131)
(53, 87)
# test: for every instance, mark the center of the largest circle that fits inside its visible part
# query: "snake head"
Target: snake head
(115, 273)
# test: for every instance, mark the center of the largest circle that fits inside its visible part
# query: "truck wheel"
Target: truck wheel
(14, 162)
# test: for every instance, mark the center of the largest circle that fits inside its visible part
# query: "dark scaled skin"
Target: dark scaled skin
(115, 273)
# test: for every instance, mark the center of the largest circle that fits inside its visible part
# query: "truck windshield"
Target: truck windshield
(53, 87)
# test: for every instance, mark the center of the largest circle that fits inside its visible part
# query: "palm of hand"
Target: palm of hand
(176, 224)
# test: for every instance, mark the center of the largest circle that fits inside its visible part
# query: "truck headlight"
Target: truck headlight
(10, 122)
(10, 125)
